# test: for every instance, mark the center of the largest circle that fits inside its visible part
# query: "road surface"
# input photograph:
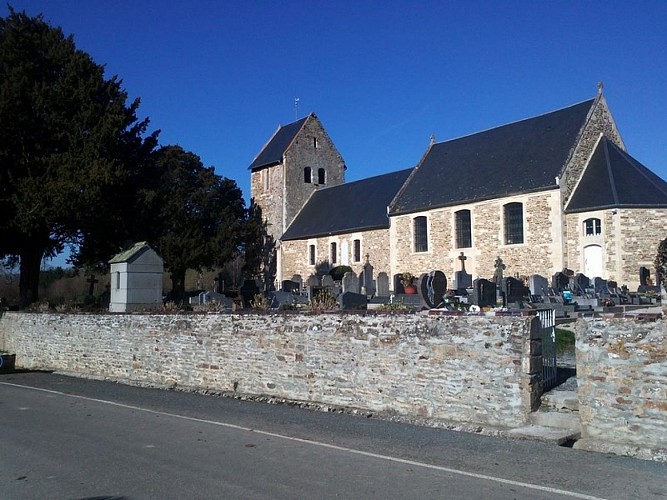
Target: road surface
(64, 437)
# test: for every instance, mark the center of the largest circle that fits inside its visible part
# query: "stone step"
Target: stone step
(565, 421)
(544, 433)
(560, 401)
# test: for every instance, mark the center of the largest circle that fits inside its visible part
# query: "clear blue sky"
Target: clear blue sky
(218, 77)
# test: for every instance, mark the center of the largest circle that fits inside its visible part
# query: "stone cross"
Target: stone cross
(498, 274)
(463, 259)
(91, 288)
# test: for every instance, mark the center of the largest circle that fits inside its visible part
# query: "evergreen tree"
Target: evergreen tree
(69, 139)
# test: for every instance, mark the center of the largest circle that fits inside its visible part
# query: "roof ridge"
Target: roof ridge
(515, 121)
(641, 169)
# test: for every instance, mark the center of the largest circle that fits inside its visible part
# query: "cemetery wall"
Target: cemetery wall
(466, 369)
(600, 121)
(622, 379)
(541, 252)
(295, 254)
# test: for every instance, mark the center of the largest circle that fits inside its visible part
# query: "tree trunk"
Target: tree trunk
(30, 263)
(177, 285)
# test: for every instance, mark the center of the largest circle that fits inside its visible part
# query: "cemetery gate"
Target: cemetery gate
(548, 334)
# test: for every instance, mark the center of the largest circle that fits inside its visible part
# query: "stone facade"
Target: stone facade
(295, 255)
(540, 253)
(280, 190)
(622, 386)
(475, 369)
(629, 240)
(600, 122)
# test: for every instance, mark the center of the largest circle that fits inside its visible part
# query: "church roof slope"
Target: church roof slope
(272, 152)
(520, 157)
(354, 206)
(614, 179)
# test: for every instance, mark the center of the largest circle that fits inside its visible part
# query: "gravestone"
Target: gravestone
(560, 281)
(484, 293)
(462, 278)
(515, 290)
(601, 287)
(350, 282)
(382, 285)
(328, 284)
(290, 286)
(499, 267)
(219, 284)
(367, 281)
(351, 300)
(432, 288)
(398, 286)
(580, 284)
(313, 286)
(296, 278)
(248, 291)
(538, 285)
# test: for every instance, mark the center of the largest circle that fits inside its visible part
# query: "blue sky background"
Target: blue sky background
(218, 77)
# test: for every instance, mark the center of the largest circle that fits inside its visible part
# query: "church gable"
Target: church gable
(614, 179)
(520, 157)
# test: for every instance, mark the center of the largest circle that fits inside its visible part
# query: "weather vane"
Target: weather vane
(296, 108)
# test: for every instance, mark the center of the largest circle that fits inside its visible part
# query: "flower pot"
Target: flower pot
(7, 363)
(410, 290)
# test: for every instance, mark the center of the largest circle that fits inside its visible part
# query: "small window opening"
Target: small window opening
(357, 250)
(321, 176)
(311, 256)
(592, 227)
(307, 175)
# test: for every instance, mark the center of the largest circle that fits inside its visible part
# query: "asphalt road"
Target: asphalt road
(63, 437)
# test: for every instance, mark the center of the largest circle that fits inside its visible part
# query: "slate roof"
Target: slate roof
(131, 254)
(272, 152)
(614, 179)
(354, 206)
(520, 157)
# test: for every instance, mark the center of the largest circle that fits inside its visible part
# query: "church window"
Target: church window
(513, 223)
(334, 253)
(315, 144)
(463, 229)
(311, 255)
(592, 227)
(266, 180)
(321, 176)
(420, 228)
(307, 175)
(357, 250)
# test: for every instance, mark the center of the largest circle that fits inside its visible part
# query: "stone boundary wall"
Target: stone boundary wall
(468, 369)
(622, 386)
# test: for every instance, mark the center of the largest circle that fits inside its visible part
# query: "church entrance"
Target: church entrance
(593, 261)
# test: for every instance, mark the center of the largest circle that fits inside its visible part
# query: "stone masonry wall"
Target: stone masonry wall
(539, 254)
(600, 122)
(305, 152)
(622, 379)
(375, 244)
(468, 369)
(629, 240)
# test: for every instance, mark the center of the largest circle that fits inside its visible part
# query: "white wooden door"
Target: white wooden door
(593, 261)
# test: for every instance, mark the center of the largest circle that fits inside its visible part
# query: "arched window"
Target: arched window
(334, 252)
(307, 175)
(592, 227)
(420, 230)
(513, 223)
(321, 176)
(463, 229)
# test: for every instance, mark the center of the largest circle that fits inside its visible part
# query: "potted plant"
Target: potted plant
(408, 280)
(7, 362)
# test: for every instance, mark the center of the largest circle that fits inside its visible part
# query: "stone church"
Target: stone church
(546, 193)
